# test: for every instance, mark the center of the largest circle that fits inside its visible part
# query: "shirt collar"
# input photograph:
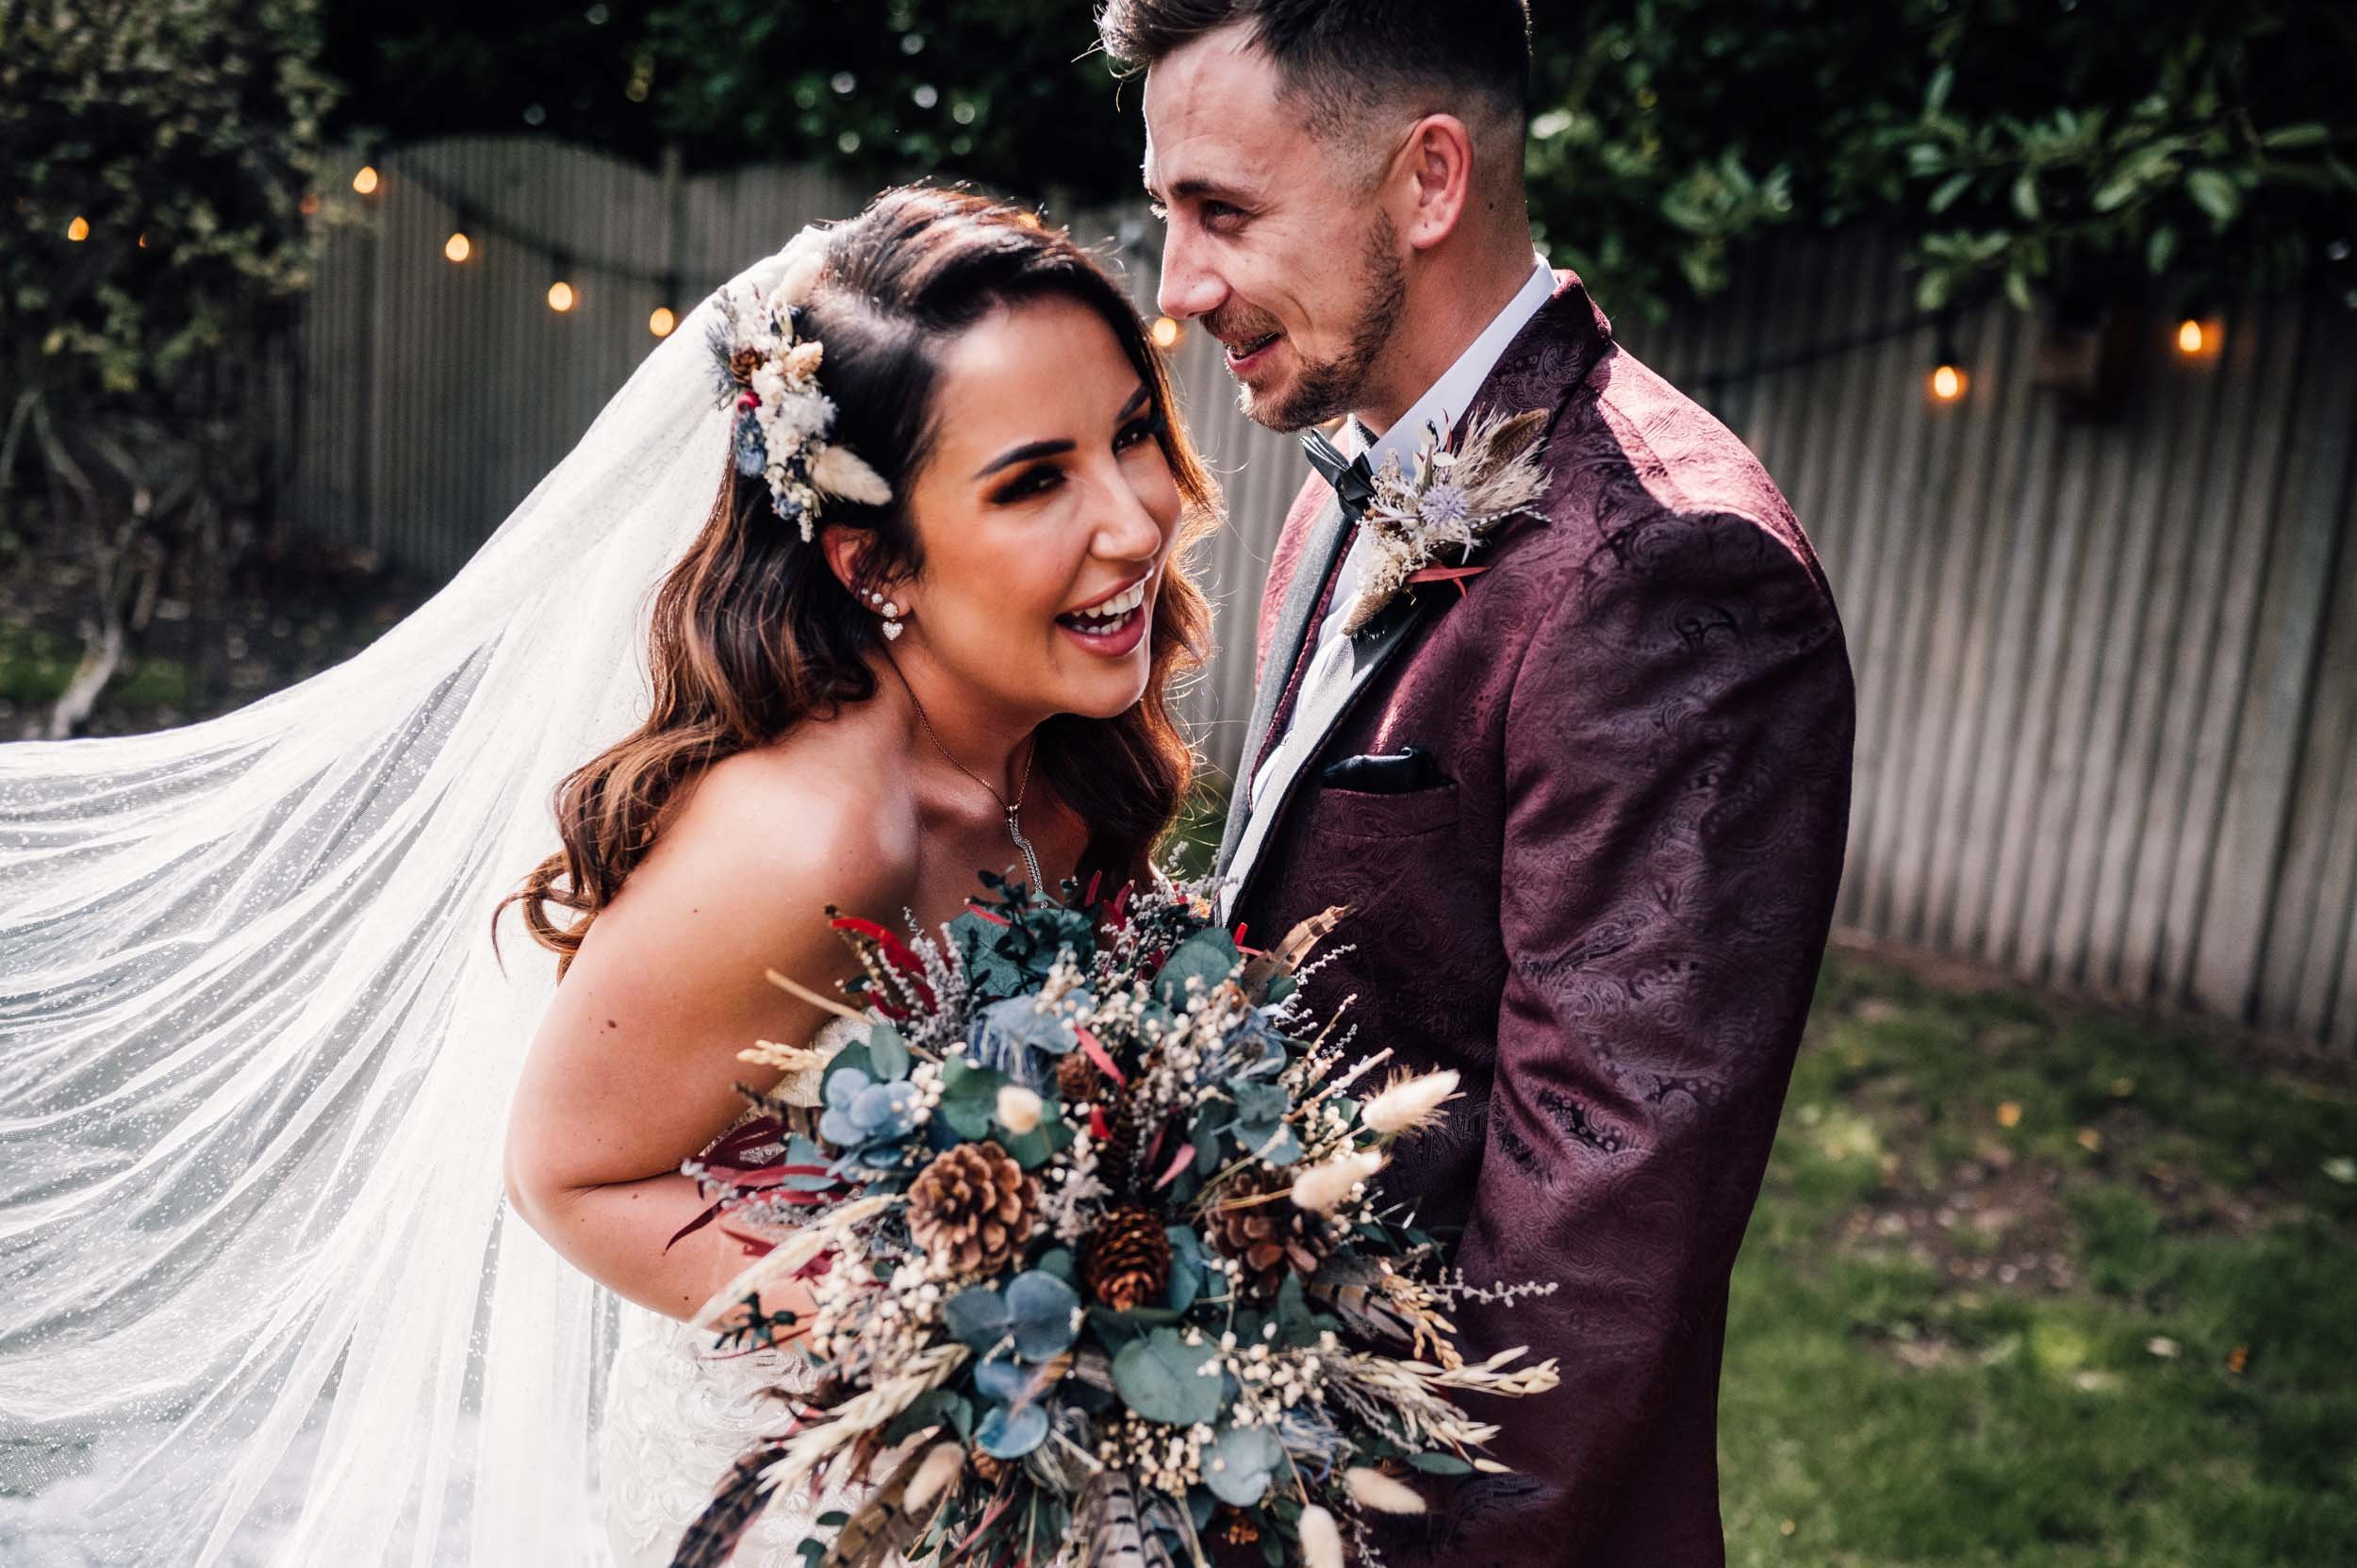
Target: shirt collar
(1445, 401)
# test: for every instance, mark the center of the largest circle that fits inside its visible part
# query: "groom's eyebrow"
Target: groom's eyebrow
(1025, 454)
(1197, 190)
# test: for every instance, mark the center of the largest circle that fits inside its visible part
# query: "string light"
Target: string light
(1165, 331)
(77, 230)
(365, 181)
(560, 296)
(1948, 381)
(457, 247)
(662, 321)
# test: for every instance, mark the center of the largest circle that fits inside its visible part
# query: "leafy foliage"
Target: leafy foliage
(158, 158)
(2055, 146)
(183, 139)
(2068, 147)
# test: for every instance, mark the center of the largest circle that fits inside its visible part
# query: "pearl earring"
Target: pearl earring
(890, 610)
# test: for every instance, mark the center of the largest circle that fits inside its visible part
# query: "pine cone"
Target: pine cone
(1127, 1261)
(988, 1466)
(1239, 1530)
(743, 363)
(972, 1207)
(1270, 1238)
(1076, 1077)
(1118, 1160)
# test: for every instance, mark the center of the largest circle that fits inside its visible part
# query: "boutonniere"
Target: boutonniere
(1424, 523)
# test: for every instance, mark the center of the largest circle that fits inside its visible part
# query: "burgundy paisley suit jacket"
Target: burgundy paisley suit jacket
(1608, 919)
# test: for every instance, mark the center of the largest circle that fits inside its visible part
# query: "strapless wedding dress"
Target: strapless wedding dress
(677, 1416)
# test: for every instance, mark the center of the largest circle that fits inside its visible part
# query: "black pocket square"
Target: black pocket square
(1402, 772)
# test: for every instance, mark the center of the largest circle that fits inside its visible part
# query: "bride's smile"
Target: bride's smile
(1043, 516)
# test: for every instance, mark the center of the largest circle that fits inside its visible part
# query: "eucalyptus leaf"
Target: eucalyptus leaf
(1043, 1308)
(1186, 1268)
(1010, 1436)
(1209, 956)
(977, 1317)
(888, 1053)
(1240, 1463)
(1000, 1379)
(1163, 1378)
(852, 1057)
(1440, 1465)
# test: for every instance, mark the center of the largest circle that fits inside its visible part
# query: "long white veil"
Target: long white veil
(260, 1299)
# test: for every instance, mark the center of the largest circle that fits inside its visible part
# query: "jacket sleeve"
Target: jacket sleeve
(1678, 751)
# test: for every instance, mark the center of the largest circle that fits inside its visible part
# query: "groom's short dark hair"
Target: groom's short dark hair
(1344, 56)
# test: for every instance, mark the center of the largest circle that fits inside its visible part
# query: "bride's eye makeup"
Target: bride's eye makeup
(1044, 476)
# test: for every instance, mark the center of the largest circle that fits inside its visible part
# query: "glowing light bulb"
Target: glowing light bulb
(662, 321)
(1164, 332)
(365, 181)
(77, 230)
(560, 296)
(459, 247)
(2190, 337)
(1947, 383)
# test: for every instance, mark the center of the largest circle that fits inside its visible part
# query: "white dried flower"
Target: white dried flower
(1374, 1489)
(1321, 1538)
(1323, 1188)
(1410, 1104)
(939, 1467)
(1018, 1109)
(839, 470)
(802, 271)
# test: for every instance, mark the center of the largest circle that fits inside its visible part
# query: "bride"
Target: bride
(263, 1076)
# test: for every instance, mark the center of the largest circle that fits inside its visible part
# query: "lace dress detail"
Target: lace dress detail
(677, 1416)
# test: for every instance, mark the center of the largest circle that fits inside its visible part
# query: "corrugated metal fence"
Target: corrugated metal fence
(434, 396)
(2107, 671)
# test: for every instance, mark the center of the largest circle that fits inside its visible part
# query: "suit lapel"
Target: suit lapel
(1371, 652)
(1289, 642)
(1542, 368)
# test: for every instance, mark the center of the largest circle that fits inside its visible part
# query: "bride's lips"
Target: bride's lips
(1113, 624)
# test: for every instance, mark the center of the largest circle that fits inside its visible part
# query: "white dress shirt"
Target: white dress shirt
(1328, 682)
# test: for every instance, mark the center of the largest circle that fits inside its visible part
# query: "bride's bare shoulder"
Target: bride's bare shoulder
(823, 815)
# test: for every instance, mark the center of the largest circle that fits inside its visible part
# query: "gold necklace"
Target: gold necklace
(1012, 808)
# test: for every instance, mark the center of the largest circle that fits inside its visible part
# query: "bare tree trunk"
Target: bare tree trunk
(100, 655)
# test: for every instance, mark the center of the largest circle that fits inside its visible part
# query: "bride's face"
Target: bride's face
(1045, 515)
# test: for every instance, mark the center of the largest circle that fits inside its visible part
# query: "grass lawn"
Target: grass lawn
(2031, 1284)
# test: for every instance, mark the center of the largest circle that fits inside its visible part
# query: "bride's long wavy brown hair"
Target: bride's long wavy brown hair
(752, 634)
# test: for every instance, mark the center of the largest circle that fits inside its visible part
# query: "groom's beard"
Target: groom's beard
(1326, 390)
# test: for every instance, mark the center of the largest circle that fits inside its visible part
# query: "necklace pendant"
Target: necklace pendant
(1030, 859)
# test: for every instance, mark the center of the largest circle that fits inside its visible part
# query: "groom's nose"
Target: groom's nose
(1188, 289)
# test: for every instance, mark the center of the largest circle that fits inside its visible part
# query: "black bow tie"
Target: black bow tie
(1352, 478)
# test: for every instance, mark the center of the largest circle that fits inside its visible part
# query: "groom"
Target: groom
(1586, 804)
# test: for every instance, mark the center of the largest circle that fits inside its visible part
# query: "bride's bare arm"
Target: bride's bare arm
(634, 1068)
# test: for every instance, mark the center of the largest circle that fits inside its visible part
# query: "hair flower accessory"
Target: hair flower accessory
(768, 373)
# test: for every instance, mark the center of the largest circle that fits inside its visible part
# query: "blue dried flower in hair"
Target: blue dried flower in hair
(751, 455)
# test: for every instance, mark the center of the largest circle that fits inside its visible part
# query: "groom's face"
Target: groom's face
(1275, 241)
